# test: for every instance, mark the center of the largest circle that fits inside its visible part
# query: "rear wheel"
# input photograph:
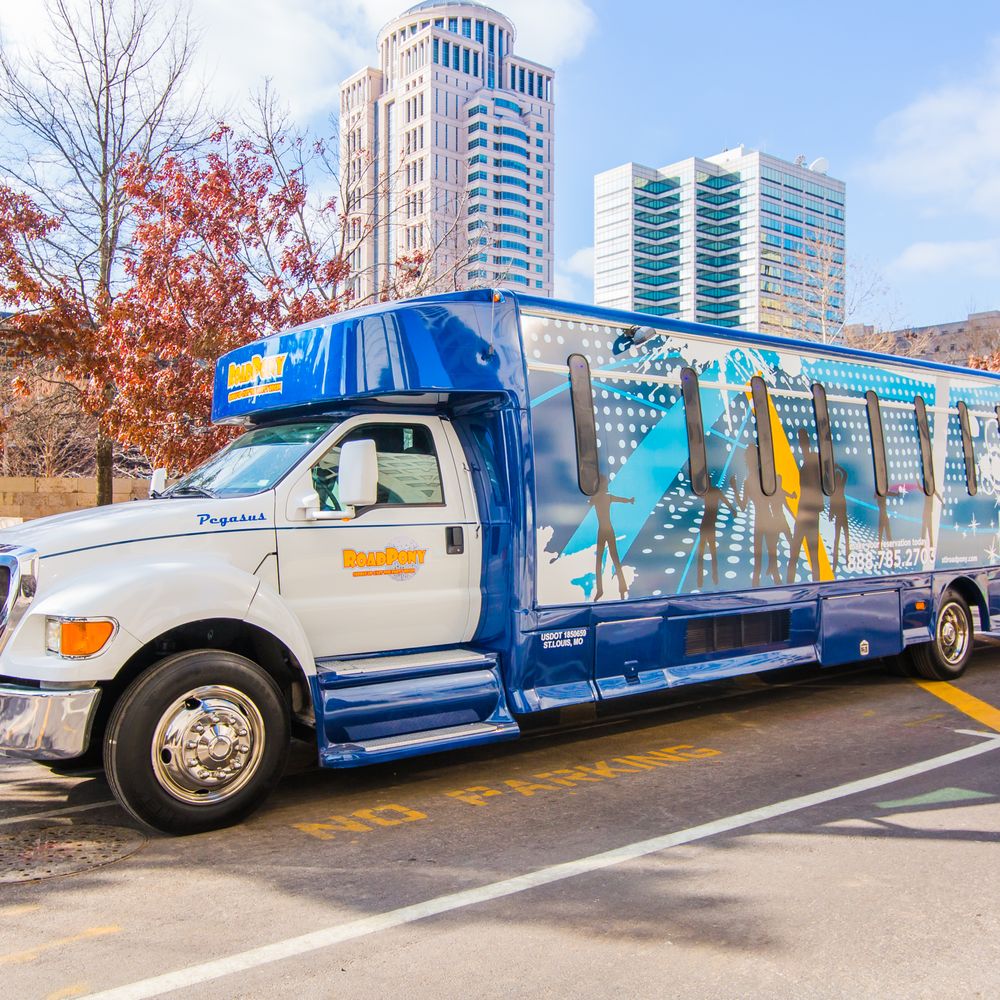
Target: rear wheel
(197, 742)
(946, 656)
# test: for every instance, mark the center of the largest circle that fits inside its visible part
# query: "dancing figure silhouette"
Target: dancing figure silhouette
(707, 533)
(810, 508)
(838, 514)
(768, 516)
(601, 501)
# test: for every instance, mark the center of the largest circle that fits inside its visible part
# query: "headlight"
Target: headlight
(78, 638)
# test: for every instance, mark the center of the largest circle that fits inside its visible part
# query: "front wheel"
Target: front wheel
(197, 742)
(946, 656)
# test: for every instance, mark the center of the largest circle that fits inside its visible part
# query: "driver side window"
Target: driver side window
(408, 470)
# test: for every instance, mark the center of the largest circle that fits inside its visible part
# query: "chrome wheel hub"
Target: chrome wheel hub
(207, 744)
(953, 633)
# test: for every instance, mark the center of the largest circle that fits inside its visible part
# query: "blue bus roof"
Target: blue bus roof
(600, 314)
(460, 342)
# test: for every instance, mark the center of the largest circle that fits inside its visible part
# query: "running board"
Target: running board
(335, 672)
(411, 744)
(387, 707)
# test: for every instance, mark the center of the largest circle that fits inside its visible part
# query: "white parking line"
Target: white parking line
(338, 933)
(52, 813)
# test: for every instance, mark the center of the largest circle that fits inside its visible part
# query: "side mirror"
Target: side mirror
(358, 474)
(157, 482)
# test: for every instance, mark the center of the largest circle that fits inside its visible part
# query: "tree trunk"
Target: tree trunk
(105, 468)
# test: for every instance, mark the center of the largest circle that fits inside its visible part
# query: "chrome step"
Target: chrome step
(434, 736)
(435, 661)
(407, 744)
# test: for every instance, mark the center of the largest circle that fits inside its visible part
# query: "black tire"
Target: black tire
(947, 655)
(199, 779)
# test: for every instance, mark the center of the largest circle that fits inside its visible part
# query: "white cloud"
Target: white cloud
(944, 147)
(582, 263)
(306, 50)
(974, 258)
(307, 47)
(574, 277)
(549, 31)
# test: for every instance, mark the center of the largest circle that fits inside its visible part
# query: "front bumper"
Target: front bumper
(38, 724)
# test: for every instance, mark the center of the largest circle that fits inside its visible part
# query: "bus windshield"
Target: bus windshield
(253, 463)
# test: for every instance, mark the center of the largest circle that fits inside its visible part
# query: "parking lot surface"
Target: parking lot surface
(833, 835)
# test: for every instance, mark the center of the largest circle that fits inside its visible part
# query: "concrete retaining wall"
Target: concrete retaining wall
(26, 497)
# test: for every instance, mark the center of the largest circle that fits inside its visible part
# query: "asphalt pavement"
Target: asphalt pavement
(833, 835)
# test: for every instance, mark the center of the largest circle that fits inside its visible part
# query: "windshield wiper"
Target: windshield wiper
(189, 491)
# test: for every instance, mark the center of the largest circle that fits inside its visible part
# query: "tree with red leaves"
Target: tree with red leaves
(228, 246)
(231, 244)
(106, 87)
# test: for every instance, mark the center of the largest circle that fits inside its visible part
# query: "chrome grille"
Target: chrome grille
(4, 591)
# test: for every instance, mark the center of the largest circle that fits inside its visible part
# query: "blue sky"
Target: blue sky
(902, 98)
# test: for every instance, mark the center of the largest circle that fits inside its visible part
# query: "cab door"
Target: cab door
(401, 574)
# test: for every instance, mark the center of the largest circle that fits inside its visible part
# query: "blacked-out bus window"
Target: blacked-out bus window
(970, 457)
(765, 442)
(926, 455)
(584, 426)
(697, 457)
(827, 466)
(878, 443)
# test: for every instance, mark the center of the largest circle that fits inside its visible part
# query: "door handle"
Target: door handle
(455, 539)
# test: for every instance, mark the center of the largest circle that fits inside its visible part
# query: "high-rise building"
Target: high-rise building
(446, 155)
(739, 239)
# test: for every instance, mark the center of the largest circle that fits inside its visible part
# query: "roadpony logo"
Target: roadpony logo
(224, 520)
(400, 560)
(259, 376)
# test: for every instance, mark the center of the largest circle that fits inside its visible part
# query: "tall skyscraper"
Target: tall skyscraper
(446, 151)
(739, 239)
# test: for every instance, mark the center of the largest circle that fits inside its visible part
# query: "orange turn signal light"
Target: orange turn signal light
(84, 638)
(920, 605)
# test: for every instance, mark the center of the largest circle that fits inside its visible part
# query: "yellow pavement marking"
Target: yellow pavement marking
(934, 716)
(560, 779)
(30, 954)
(75, 990)
(966, 703)
(19, 909)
